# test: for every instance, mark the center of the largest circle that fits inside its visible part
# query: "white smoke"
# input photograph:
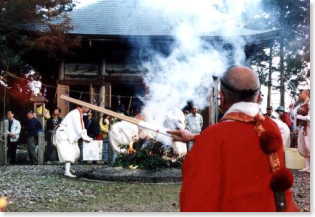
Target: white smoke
(186, 74)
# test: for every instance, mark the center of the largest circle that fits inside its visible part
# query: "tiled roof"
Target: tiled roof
(117, 17)
(126, 18)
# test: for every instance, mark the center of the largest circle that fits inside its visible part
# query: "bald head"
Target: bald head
(239, 83)
(241, 78)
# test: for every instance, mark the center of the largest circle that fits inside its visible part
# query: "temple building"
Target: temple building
(115, 38)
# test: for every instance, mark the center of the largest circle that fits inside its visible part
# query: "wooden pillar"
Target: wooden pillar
(269, 77)
(61, 71)
(282, 78)
(3, 144)
(62, 104)
(108, 95)
(101, 99)
(92, 94)
(105, 95)
(41, 148)
(102, 96)
(3, 136)
(103, 67)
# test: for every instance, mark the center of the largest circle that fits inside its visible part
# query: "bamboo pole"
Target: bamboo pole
(119, 116)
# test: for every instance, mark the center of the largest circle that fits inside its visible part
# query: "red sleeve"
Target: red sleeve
(201, 187)
(288, 120)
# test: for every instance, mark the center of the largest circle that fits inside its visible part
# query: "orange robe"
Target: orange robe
(226, 171)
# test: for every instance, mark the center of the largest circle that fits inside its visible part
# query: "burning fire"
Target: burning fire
(3, 204)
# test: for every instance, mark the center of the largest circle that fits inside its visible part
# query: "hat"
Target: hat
(280, 109)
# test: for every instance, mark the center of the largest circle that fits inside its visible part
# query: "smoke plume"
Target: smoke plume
(185, 73)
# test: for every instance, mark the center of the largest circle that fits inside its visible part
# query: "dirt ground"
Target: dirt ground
(44, 189)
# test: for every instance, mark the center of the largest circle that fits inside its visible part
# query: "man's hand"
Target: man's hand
(87, 139)
(182, 135)
(12, 135)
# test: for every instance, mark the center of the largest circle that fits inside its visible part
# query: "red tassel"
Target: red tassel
(270, 142)
(281, 180)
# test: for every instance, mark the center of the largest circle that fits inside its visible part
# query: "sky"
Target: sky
(84, 3)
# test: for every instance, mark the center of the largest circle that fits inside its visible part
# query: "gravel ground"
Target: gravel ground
(301, 189)
(43, 188)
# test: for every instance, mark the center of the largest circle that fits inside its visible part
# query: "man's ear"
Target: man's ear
(258, 98)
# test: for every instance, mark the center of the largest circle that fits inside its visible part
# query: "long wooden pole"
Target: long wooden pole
(111, 113)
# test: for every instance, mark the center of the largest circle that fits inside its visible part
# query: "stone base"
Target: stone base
(132, 175)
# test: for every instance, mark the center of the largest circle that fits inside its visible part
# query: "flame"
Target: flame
(131, 150)
(3, 203)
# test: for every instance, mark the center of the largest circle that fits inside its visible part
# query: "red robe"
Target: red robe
(226, 171)
(285, 117)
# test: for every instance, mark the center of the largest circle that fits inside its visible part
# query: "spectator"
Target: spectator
(186, 112)
(33, 127)
(13, 129)
(41, 113)
(104, 129)
(269, 112)
(121, 108)
(52, 124)
(194, 123)
(91, 125)
(284, 116)
(104, 126)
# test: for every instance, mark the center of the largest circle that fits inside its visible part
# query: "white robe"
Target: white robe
(285, 132)
(123, 133)
(35, 86)
(304, 140)
(71, 129)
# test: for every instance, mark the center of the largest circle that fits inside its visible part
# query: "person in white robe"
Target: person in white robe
(124, 133)
(70, 130)
(285, 132)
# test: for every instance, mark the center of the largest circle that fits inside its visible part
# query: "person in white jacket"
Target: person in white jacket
(12, 130)
(70, 130)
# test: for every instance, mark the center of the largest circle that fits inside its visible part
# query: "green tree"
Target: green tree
(292, 17)
(33, 24)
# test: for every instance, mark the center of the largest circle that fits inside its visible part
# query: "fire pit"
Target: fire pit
(169, 175)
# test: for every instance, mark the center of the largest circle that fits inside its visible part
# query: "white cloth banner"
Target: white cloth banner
(93, 150)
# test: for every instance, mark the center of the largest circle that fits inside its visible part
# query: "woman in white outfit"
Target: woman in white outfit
(70, 130)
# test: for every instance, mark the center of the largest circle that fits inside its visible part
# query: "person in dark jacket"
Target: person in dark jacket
(33, 127)
(91, 125)
(51, 126)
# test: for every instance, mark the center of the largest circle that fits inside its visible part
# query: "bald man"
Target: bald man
(229, 169)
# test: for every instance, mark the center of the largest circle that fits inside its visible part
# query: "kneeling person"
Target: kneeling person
(71, 129)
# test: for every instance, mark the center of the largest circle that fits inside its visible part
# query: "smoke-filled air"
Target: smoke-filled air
(186, 73)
